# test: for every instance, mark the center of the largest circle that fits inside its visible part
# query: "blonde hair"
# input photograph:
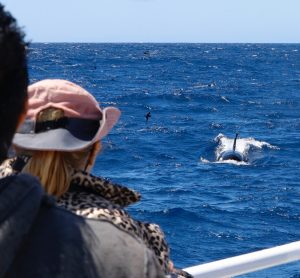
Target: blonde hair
(53, 168)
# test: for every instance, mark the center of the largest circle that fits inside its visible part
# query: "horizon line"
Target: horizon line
(135, 42)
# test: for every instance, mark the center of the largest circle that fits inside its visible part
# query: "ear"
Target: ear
(92, 156)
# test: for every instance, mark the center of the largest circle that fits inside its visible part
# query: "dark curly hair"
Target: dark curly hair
(13, 78)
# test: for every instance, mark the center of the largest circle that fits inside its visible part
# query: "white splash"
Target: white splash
(243, 145)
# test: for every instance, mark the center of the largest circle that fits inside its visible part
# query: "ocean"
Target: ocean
(199, 96)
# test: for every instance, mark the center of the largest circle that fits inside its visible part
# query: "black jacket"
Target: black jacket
(37, 239)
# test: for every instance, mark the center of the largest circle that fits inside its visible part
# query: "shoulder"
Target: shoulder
(62, 244)
(70, 245)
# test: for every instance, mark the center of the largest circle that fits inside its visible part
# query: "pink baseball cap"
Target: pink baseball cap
(83, 124)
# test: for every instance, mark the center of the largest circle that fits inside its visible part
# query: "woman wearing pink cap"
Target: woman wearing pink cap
(58, 143)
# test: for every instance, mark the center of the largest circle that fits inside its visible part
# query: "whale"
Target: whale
(232, 154)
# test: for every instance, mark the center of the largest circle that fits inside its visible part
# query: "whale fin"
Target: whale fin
(234, 142)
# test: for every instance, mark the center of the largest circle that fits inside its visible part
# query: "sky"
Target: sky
(194, 21)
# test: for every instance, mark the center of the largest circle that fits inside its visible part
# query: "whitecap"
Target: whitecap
(224, 98)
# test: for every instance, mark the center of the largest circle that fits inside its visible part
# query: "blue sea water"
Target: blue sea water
(199, 96)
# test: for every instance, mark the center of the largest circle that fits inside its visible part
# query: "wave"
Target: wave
(243, 144)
